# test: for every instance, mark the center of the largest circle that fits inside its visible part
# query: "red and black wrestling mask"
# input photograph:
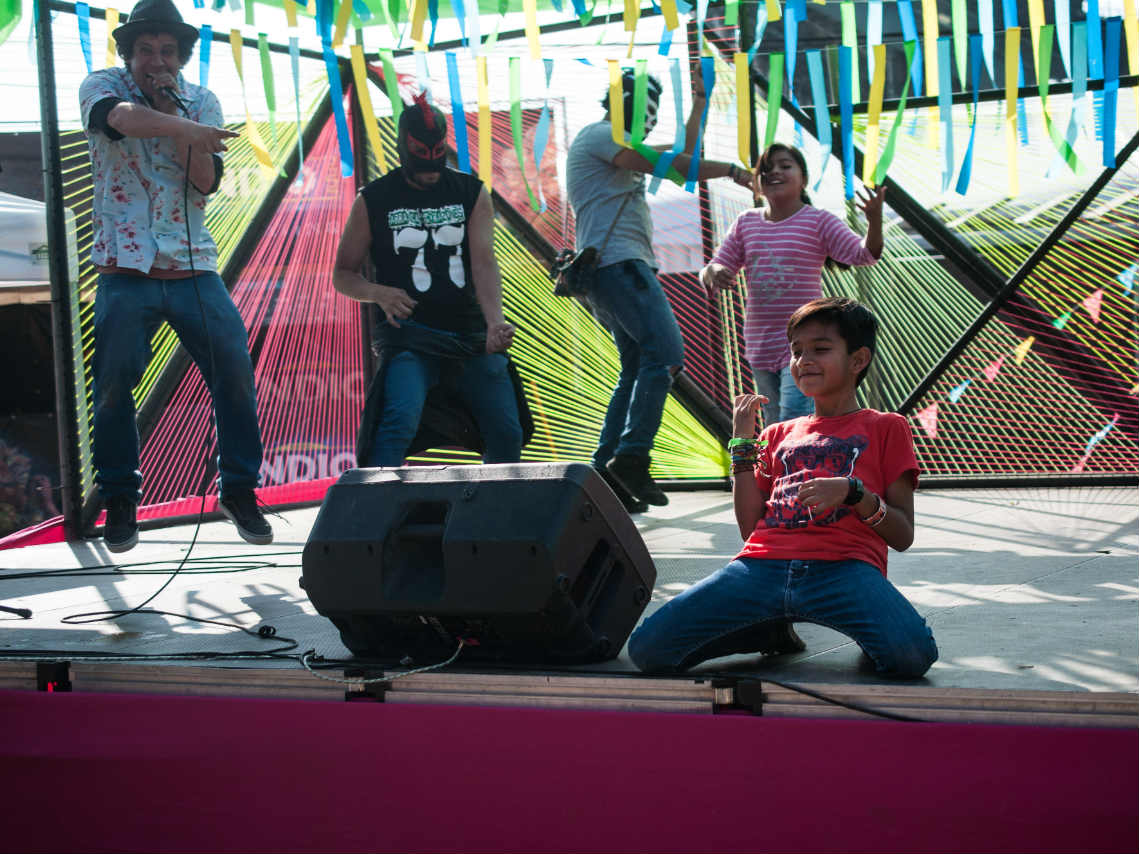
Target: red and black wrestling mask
(422, 139)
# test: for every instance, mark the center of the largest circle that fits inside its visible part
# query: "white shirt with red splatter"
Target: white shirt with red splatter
(139, 208)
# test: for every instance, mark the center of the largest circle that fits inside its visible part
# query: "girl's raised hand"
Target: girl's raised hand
(870, 201)
(744, 410)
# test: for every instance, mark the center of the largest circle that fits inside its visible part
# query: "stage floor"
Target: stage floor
(1030, 589)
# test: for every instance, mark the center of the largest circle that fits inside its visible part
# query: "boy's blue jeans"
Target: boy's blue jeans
(785, 401)
(483, 384)
(722, 614)
(128, 311)
(629, 302)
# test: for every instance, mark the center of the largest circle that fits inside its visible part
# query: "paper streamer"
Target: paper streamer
(1043, 75)
(850, 39)
(888, 152)
(1093, 303)
(664, 162)
(371, 126)
(391, 84)
(1127, 278)
(255, 140)
(342, 16)
(486, 138)
(822, 114)
(668, 9)
(1079, 92)
(874, 115)
(930, 35)
(1094, 35)
(760, 26)
(927, 418)
(1131, 28)
(640, 101)
(708, 70)
(295, 63)
(112, 18)
(790, 44)
(774, 96)
(542, 135)
(205, 40)
(83, 15)
(960, 22)
(1064, 34)
(1012, 64)
(1021, 351)
(1011, 20)
(873, 33)
(1035, 22)
(458, 114)
(994, 368)
(945, 109)
(533, 35)
(988, 35)
(976, 49)
(910, 34)
(267, 82)
(743, 109)
(516, 125)
(846, 118)
(774, 12)
(955, 394)
(1112, 38)
(473, 37)
(290, 12)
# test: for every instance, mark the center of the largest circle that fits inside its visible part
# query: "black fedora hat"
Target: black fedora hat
(152, 15)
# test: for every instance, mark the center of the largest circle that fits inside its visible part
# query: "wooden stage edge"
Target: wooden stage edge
(692, 695)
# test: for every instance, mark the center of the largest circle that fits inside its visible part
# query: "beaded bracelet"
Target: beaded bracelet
(875, 518)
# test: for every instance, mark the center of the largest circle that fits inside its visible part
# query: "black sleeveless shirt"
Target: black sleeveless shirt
(420, 243)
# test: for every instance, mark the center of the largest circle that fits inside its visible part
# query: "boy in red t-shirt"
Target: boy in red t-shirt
(818, 499)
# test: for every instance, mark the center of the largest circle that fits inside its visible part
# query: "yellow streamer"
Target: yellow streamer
(255, 140)
(112, 22)
(371, 126)
(1131, 28)
(873, 115)
(616, 103)
(930, 30)
(668, 9)
(533, 34)
(1012, 64)
(486, 166)
(1022, 349)
(342, 16)
(743, 109)
(774, 11)
(418, 16)
(291, 12)
(1035, 22)
(632, 15)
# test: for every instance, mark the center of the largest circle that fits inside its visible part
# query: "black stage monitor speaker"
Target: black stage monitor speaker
(526, 562)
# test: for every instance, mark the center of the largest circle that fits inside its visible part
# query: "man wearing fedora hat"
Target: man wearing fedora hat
(153, 170)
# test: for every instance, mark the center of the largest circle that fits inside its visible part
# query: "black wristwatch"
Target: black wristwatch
(855, 491)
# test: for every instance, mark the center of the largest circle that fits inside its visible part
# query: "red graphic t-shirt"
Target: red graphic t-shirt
(874, 446)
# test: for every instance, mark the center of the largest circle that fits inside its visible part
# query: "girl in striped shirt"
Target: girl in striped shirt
(782, 249)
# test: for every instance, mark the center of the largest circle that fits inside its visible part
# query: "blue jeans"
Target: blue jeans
(785, 401)
(629, 302)
(482, 383)
(128, 311)
(722, 614)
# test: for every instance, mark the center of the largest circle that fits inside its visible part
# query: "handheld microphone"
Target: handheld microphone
(171, 93)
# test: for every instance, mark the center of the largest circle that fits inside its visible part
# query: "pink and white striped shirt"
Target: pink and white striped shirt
(783, 263)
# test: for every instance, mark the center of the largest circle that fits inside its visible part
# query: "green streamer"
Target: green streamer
(888, 150)
(1043, 70)
(9, 17)
(267, 79)
(850, 40)
(249, 13)
(731, 12)
(391, 83)
(640, 100)
(961, 39)
(774, 96)
(516, 126)
(652, 155)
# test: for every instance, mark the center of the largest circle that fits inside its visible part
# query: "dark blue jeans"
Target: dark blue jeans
(722, 614)
(629, 302)
(128, 311)
(483, 384)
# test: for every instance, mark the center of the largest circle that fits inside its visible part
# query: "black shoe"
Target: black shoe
(632, 505)
(780, 639)
(241, 508)
(120, 530)
(633, 474)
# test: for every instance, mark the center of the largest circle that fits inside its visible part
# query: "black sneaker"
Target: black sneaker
(632, 505)
(780, 639)
(633, 474)
(120, 530)
(241, 508)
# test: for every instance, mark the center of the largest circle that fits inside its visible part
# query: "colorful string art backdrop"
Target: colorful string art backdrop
(1005, 133)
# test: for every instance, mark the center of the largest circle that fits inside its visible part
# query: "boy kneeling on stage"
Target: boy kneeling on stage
(818, 500)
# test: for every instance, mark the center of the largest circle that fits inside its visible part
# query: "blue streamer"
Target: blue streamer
(332, 66)
(295, 62)
(542, 135)
(791, 42)
(988, 35)
(873, 33)
(822, 114)
(578, 8)
(206, 38)
(1079, 90)
(910, 34)
(458, 114)
(666, 158)
(1064, 34)
(433, 14)
(461, 15)
(1110, 87)
(846, 112)
(665, 39)
(83, 12)
(945, 109)
(708, 68)
(1095, 42)
(1011, 20)
(976, 49)
(760, 26)
(358, 6)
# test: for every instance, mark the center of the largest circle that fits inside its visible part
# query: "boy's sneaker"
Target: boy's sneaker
(120, 529)
(780, 639)
(241, 508)
(632, 472)
(632, 505)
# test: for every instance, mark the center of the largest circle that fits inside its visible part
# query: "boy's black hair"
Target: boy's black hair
(124, 44)
(653, 91)
(856, 324)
